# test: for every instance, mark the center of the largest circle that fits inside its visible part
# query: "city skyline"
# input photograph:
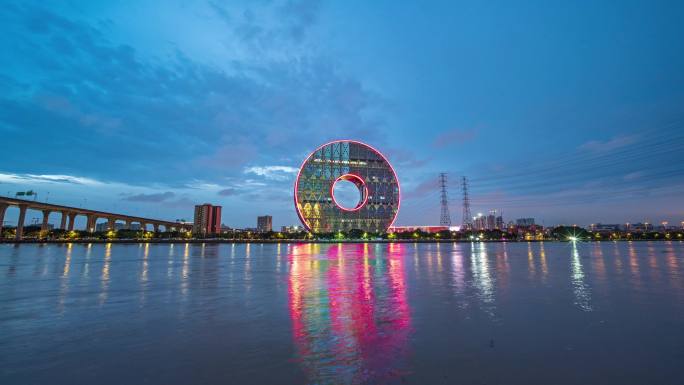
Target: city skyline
(574, 117)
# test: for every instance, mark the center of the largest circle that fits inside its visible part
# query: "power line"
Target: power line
(651, 148)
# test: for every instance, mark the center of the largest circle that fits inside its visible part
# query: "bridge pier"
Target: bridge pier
(3, 209)
(72, 219)
(128, 224)
(90, 223)
(111, 223)
(20, 222)
(62, 224)
(156, 227)
(46, 217)
(143, 226)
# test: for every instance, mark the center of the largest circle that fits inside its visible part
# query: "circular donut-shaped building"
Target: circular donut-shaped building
(344, 161)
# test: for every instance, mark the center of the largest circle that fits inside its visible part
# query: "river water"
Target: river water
(515, 313)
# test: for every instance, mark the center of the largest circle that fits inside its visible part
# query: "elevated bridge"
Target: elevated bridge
(69, 214)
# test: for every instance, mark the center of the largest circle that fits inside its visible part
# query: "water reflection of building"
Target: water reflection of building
(458, 276)
(349, 310)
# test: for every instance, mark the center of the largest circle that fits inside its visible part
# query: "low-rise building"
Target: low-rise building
(291, 229)
(640, 227)
(426, 229)
(601, 227)
(524, 221)
(104, 226)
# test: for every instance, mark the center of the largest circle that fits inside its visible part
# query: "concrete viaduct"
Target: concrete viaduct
(69, 214)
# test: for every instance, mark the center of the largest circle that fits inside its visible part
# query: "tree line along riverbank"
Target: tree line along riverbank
(559, 233)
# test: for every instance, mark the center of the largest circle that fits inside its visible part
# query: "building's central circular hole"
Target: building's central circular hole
(347, 194)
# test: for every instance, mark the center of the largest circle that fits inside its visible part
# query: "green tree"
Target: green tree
(566, 233)
(355, 234)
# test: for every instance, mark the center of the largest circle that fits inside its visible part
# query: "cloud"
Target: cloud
(403, 158)
(272, 26)
(183, 203)
(242, 186)
(64, 108)
(91, 100)
(271, 195)
(32, 178)
(454, 136)
(276, 173)
(222, 12)
(632, 176)
(227, 192)
(201, 185)
(150, 198)
(422, 189)
(300, 15)
(608, 145)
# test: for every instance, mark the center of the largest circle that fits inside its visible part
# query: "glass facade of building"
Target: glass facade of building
(356, 162)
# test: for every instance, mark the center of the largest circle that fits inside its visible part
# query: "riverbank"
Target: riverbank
(275, 241)
(266, 241)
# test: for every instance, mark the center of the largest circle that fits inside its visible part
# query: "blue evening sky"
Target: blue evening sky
(566, 111)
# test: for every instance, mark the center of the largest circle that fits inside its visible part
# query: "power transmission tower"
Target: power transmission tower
(445, 218)
(467, 217)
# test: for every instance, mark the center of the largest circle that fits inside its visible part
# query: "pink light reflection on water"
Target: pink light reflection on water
(349, 309)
